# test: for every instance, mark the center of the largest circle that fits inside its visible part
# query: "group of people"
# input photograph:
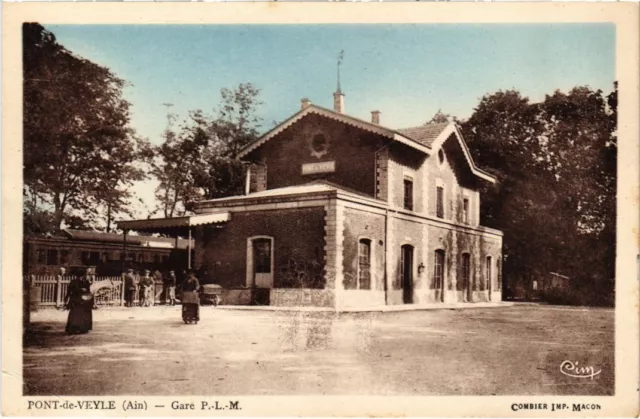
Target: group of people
(79, 299)
(144, 288)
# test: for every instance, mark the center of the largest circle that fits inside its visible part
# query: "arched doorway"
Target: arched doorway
(406, 271)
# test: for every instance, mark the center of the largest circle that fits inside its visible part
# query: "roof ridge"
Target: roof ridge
(426, 125)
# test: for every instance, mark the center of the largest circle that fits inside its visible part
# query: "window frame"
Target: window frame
(369, 243)
(466, 273)
(466, 205)
(440, 201)
(437, 281)
(250, 260)
(260, 262)
(408, 198)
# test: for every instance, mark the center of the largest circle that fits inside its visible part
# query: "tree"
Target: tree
(199, 159)
(173, 167)
(555, 198)
(502, 136)
(581, 139)
(76, 128)
(440, 118)
(112, 191)
(236, 123)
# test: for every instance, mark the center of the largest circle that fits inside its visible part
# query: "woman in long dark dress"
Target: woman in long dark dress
(79, 301)
(190, 298)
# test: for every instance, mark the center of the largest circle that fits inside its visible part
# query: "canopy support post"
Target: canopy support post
(189, 250)
(123, 259)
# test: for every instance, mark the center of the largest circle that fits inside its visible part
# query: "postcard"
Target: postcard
(321, 209)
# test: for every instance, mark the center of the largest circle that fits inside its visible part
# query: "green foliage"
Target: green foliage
(198, 159)
(556, 167)
(79, 152)
(591, 296)
(440, 118)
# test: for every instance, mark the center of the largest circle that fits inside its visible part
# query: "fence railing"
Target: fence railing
(53, 290)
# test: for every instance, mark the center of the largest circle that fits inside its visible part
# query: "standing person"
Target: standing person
(137, 291)
(191, 283)
(158, 279)
(130, 288)
(190, 298)
(146, 285)
(79, 301)
(170, 288)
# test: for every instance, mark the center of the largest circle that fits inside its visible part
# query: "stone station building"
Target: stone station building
(345, 213)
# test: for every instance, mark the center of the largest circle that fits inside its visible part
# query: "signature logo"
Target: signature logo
(571, 369)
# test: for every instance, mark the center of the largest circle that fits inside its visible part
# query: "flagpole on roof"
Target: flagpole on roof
(340, 57)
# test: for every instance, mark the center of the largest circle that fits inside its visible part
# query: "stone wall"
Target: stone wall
(363, 225)
(405, 163)
(405, 232)
(352, 150)
(298, 247)
(456, 242)
(291, 297)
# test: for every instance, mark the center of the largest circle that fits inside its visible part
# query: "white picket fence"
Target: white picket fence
(53, 290)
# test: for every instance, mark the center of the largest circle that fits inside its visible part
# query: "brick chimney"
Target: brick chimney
(338, 101)
(304, 103)
(375, 117)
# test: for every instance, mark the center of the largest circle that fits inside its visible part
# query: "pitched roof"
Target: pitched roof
(423, 138)
(337, 116)
(425, 134)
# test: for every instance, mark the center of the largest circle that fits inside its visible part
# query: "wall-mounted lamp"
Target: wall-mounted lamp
(421, 268)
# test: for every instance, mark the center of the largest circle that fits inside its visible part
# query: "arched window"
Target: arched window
(438, 270)
(364, 264)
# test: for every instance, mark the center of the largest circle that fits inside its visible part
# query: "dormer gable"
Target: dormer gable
(318, 143)
(435, 135)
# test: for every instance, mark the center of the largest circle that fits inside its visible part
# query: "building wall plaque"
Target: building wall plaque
(321, 167)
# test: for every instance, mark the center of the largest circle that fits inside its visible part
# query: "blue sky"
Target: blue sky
(406, 71)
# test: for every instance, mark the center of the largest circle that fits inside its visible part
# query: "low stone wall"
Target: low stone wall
(360, 298)
(479, 296)
(395, 297)
(304, 297)
(236, 297)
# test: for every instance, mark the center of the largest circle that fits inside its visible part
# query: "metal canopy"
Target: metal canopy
(159, 225)
(174, 226)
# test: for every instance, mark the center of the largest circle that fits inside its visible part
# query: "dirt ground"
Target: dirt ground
(479, 351)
